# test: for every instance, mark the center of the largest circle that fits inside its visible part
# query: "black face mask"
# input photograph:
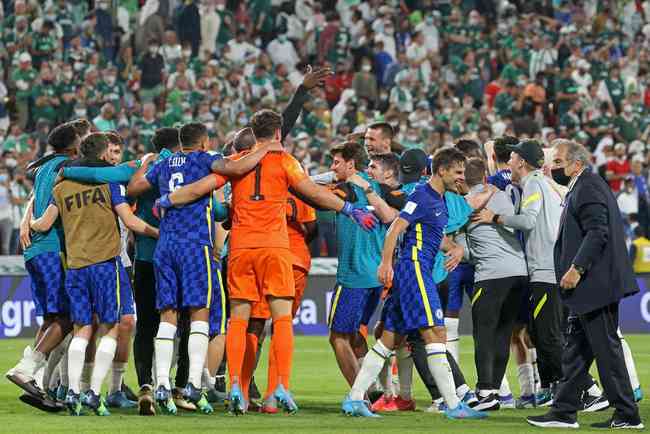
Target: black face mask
(560, 177)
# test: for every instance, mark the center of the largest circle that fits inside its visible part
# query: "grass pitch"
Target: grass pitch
(318, 388)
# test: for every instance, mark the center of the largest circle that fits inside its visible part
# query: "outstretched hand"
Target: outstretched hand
(316, 77)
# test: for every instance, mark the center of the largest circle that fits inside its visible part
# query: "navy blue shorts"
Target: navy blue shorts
(47, 277)
(218, 303)
(351, 307)
(186, 276)
(98, 290)
(413, 302)
(459, 281)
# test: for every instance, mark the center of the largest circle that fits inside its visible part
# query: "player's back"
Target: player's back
(49, 241)
(426, 212)
(259, 201)
(88, 219)
(192, 223)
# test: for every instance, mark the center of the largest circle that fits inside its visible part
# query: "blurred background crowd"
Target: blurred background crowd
(436, 70)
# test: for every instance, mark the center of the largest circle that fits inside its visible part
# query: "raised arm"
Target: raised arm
(102, 175)
(139, 183)
(44, 223)
(385, 213)
(192, 192)
(235, 168)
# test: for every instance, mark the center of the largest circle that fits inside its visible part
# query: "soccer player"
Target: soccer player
(378, 138)
(44, 262)
(186, 273)
(95, 275)
(357, 289)
(501, 282)
(413, 303)
(165, 141)
(260, 263)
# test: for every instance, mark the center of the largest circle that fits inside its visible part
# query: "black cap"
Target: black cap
(412, 164)
(531, 151)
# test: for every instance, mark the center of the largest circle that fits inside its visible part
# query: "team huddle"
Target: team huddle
(414, 234)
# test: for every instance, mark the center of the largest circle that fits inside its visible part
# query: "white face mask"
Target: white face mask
(110, 80)
(187, 53)
(221, 7)
(153, 49)
(80, 113)
(67, 75)
(366, 68)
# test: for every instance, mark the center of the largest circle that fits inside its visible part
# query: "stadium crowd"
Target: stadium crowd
(456, 154)
(437, 71)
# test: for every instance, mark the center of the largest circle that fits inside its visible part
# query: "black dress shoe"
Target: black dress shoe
(617, 422)
(552, 420)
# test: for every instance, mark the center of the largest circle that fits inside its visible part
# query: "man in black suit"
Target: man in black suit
(590, 255)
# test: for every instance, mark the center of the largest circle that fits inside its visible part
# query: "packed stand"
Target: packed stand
(437, 71)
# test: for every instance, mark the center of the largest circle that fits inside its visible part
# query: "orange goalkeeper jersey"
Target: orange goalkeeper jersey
(298, 212)
(259, 202)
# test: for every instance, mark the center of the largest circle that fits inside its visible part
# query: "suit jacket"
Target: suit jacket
(591, 236)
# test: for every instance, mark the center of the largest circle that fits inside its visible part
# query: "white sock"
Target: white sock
(504, 390)
(76, 358)
(462, 390)
(86, 375)
(103, 361)
(537, 382)
(594, 390)
(197, 348)
(164, 348)
(404, 372)
(372, 364)
(31, 362)
(453, 338)
(52, 362)
(117, 375)
(385, 379)
(526, 378)
(629, 364)
(441, 372)
(207, 380)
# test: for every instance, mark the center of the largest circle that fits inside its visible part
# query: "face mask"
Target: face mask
(187, 53)
(221, 7)
(110, 80)
(3, 178)
(560, 177)
(389, 31)
(215, 109)
(153, 49)
(366, 68)
(11, 163)
(80, 113)
(67, 75)
(282, 38)
(242, 120)
(429, 20)
(187, 118)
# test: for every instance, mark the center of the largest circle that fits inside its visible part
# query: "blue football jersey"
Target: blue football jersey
(193, 222)
(427, 215)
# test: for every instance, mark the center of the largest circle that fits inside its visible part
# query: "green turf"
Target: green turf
(318, 389)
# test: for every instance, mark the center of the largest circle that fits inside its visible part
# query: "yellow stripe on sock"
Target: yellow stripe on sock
(539, 306)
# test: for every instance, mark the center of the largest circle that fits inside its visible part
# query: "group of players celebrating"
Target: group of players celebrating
(414, 232)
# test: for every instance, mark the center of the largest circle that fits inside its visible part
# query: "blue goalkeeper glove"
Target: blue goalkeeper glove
(363, 218)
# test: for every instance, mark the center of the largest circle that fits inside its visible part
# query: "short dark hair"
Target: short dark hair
(244, 139)
(386, 129)
(474, 171)
(265, 123)
(191, 134)
(94, 145)
(469, 148)
(351, 151)
(165, 138)
(389, 161)
(500, 147)
(114, 138)
(445, 158)
(63, 137)
(82, 126)
(639, 231)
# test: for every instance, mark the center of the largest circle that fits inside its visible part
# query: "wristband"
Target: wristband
(495, 219)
